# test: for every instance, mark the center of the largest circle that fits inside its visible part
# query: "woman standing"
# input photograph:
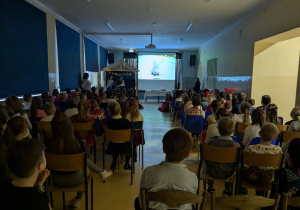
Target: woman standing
(86, 84)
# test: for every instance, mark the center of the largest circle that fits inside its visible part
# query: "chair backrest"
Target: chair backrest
(281, 118)
(257, 140)
(98, 127)
(262, 160)
(286, 201)
(172, 198)
(85, 126)
(234, 138)
(241, 127)
(177, 105)
(287, 136)
(194, 123)
(220, 154)
(44, 128)
(182, 115)
(117, 135)
(72, 162)
(136, 125)
(282, 127)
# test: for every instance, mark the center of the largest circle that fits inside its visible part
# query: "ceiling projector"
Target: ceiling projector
(150, 46)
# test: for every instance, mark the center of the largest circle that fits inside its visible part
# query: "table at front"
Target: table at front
(156, 93)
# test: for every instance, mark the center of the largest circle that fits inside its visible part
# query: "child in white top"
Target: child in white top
(252, 131)
(245, 114)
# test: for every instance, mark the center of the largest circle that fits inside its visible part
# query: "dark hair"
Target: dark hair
(265, 100)
(94, 104)
(215, 105)
(49, 108)
(85, 75)
(55, 93)
(241, 96)
(3, 117)
(109, 94)
(15, 126)
(118, 82)
(24, 156)
(271, 113)
(10, 111)
(72, 103)
(294, 152)
(15, 104)
(177, 143)
(68, 90)
(258, 117)
(93, 89)
(186, 99)
(222, 112)
(27, 97)
(251, 102)
(35, 105)
(62, 96)
(44, 95)
(63, 140)
(222, 95)
(196, 101)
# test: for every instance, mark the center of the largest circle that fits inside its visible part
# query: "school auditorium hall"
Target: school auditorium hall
(140, 104)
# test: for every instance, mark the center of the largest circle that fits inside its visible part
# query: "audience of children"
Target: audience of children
(195, 110)
(244, 115)
(171, 174)
(215, 105)
(252, 131)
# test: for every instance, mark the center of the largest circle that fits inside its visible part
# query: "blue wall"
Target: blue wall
(103, 57)
(91, 55)
(23, 49)
(68, 47)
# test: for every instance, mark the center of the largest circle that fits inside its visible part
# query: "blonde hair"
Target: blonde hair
(226, 126)
(94, 104)
(83, 108)
(133, 109)
(114, 108)
(245, 109)
(269, 132)
(295, 113)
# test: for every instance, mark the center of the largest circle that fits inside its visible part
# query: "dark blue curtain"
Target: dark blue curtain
(130, 55)
(103, 57)
(68, 47)
(23, 49)
(91, 55)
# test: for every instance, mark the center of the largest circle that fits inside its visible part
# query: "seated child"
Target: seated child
(27, 102)
(288, 179)
(171, 174)
(255, 174)
(123, 104)
(226, 127)
(72, 110)
(50, 111)
(252, 103)
(27, 161)
(96, 112)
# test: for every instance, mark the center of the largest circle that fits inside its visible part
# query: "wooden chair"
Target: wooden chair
(219, 155)
(173, 198)
(286, 136)
(44, 128)
(119, 136)
(260, 160)
(245, 202)
(87, 127)
(138, 127)
(241, 127)
(68, 163)
(282, 127)
(286, 201)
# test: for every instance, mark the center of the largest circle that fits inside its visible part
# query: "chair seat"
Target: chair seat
(245, 201)
(205, 175)
(265, 186)
(79, 188)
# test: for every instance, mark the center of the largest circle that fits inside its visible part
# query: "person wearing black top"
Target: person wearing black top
(197, 85)
(118, 123)
(26, 159)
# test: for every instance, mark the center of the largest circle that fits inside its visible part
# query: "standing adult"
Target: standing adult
(123, 82)
(197, 85)
(111, 80)
(86, 84)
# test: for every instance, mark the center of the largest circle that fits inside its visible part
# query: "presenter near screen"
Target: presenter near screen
(86, 84)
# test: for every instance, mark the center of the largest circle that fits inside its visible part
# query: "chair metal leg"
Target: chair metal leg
(92, 193)
(64, 200)
(139, 152)
(132, 168)
(213, 201)
(51, 199)
(103, 154)
(95, 152)
(86, 198)
(142, 157)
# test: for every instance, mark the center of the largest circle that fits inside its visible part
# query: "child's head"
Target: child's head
(49, 109)
(77, 90)
(241, 97)
(271, 113)
(83, 108)
(109, 94)
(293, 153)
(15, 104)
(94, 104)
(103, 96)
(226, 126)
(15, 130)
(72, 103)
(133, 105)
(93, 89)
(265, 100)
(114, 108)
(258, 117)
(186, 99)
(251, 102)
(25, 158)
(245, 109)
(196, 101)
(122, 97)
(177, 144)
(27, 97)
(268, 132)
(295, 113)
(222, 112)
(49, 99)
(68, 90)
(215, 105)
(36, 104)
(55, 93)
(62, 96)
(85, 75)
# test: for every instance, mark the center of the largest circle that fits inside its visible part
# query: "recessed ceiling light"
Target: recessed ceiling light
(110, 26)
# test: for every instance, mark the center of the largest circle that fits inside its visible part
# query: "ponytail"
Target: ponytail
(245, 109)
(83, 108)
(133, 109)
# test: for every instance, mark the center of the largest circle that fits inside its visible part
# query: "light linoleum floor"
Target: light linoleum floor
(117, 193)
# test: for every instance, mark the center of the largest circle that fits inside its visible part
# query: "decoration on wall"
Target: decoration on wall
(120, 74)
(229, 91)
